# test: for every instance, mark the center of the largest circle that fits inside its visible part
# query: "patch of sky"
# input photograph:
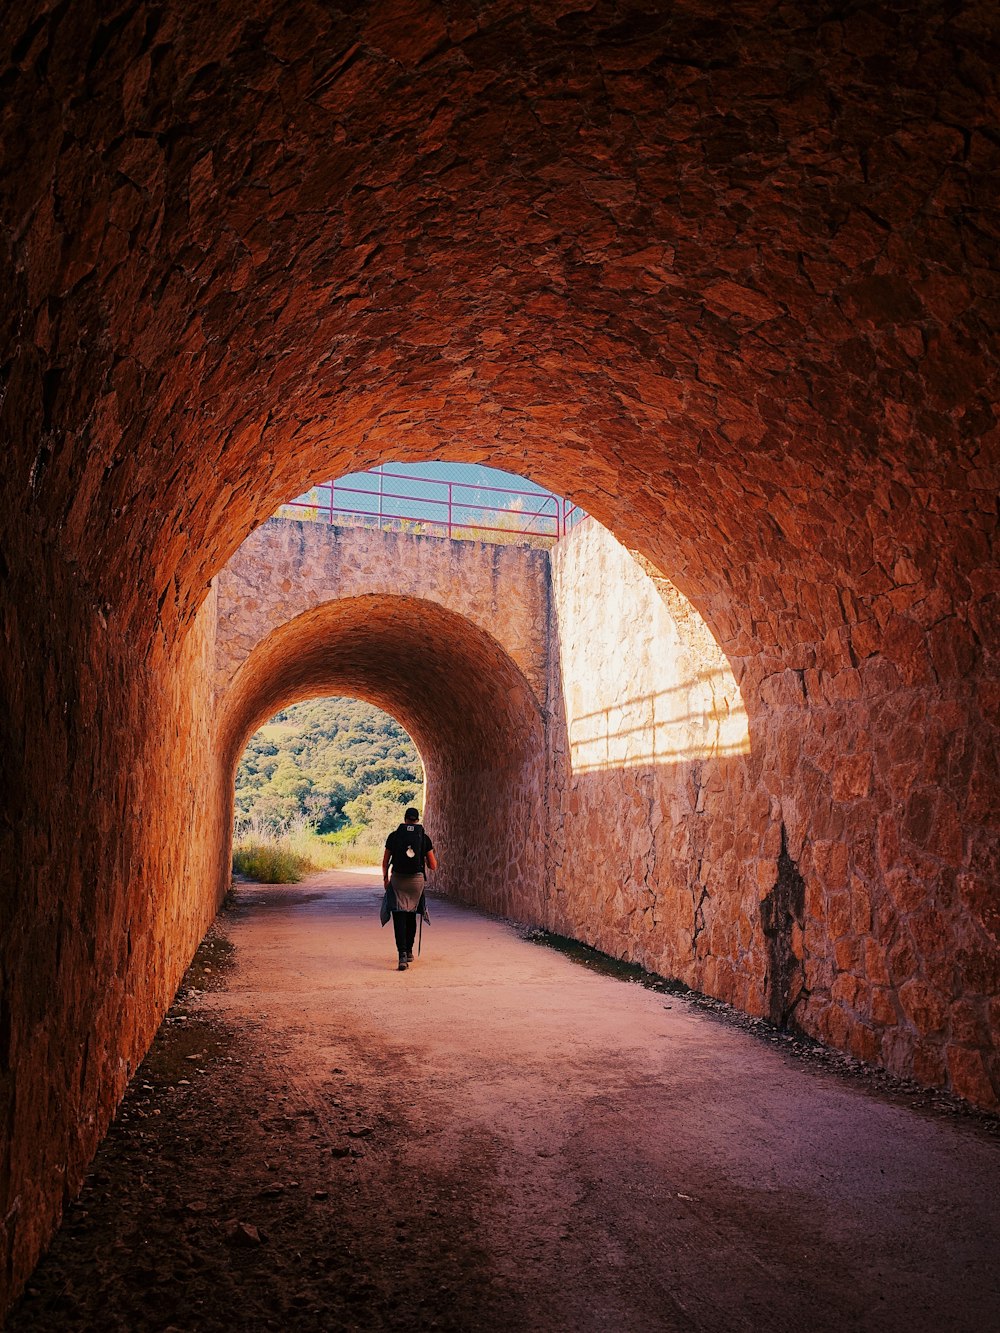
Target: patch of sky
(462, 494)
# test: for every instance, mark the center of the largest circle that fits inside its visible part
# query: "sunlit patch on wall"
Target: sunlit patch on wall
(644, 681)
(670, 726)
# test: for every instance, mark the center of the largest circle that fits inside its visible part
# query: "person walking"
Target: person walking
(407, 849)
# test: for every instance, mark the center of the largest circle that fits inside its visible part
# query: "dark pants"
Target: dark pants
(405, 926)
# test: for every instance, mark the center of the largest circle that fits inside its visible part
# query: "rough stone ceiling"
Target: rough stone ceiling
(725, 280)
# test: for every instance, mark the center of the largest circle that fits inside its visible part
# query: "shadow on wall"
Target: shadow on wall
(641, 677)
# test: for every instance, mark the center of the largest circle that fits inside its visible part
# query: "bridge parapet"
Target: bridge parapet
(288, 567)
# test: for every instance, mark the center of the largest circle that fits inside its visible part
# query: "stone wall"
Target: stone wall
(783, 844)
(288, 567)
(655, 839)
(110, 841)
(448, 637)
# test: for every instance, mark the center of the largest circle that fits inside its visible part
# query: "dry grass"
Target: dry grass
(270, 855)
(269, 863)
(285, 855)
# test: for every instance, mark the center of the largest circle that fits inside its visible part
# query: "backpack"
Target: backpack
(408, 850)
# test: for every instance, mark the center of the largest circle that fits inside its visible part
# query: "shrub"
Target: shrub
(270, 855)
(269, 863)
(283, 854)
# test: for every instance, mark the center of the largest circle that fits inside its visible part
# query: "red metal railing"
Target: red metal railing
(453, 508)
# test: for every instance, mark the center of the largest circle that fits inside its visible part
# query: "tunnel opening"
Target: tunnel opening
(319, 785)
(635, 695)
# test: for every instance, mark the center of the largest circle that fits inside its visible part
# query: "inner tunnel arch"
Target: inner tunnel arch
(474, 718)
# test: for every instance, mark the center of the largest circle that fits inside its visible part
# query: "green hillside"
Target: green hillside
(336, 763)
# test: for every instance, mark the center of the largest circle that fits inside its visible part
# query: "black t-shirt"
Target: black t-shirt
(408, 838)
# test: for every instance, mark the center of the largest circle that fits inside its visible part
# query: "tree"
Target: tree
(288, 780)
(318, 759)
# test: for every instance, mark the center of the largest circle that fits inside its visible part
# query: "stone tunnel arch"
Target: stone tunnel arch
(709, 281)
(471, 713)
(645, 731)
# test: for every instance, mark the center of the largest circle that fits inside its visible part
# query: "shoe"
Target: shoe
(403, 965)
(409, 955)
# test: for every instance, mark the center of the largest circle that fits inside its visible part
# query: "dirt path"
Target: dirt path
(499, 1138)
